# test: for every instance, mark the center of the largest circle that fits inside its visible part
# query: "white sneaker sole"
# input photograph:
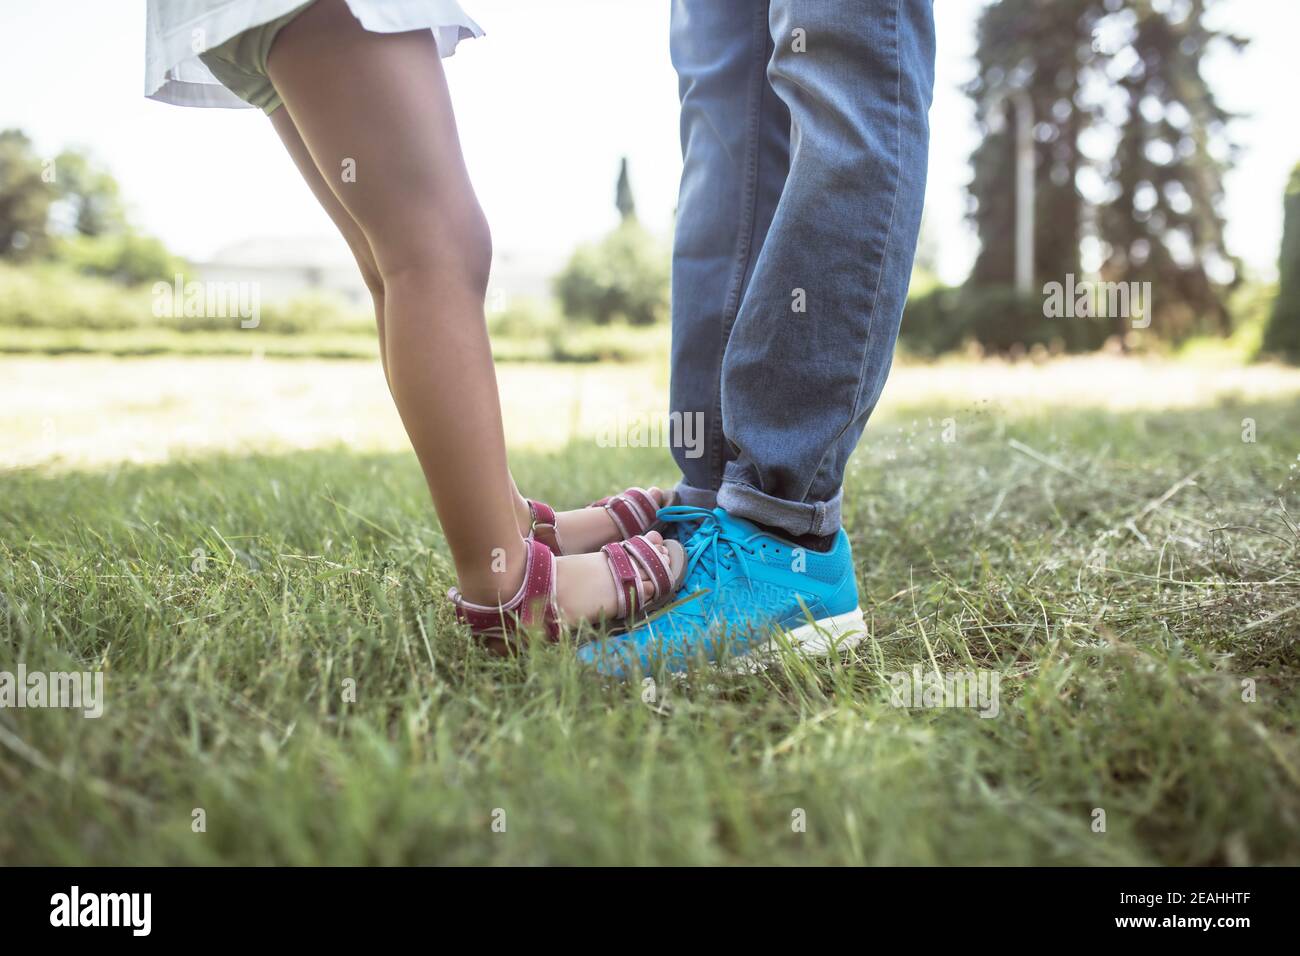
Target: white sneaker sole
(828, 635)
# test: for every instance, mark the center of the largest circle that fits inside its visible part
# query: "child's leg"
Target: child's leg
(352, 233)
(377, 105)
(583, 529)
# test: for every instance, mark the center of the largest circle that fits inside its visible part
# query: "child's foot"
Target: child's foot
(620, 582)
(584, 530)
(585, 589)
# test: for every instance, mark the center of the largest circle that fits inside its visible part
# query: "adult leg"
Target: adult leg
(735, 146)
(812, 344)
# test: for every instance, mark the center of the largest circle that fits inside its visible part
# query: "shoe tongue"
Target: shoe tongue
(734, 525)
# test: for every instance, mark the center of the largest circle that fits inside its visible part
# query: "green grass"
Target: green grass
(1123, 574)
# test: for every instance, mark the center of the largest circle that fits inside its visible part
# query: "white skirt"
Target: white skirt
(177, 28)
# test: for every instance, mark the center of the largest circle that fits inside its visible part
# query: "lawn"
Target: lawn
(278, 656)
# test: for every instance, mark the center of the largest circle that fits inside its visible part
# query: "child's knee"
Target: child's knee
(365, 260)
(477, 237)
(450, 248)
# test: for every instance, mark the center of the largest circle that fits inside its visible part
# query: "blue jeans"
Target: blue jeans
(805, 136)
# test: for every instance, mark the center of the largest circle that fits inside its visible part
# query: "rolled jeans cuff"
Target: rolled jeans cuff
(795, 517)
(695, 497)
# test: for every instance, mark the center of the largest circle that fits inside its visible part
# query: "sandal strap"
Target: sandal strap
(533, 605)
(626, 580)
(623, 558)
(657, 567)
(543, 527)
(634, 511)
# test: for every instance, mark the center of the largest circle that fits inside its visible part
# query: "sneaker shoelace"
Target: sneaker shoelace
(711, 548)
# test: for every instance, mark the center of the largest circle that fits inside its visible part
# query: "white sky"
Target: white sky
(547, 103)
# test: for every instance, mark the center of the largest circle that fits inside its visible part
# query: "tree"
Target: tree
(70, 209)
(1123, 76)
(126, 257)
(89, 196)
(624, 276)
(623, 197)
(1282, 335)
(1162, 223)
(27, 191)
(1045, 50)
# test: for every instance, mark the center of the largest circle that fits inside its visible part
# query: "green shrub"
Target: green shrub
(306, 314)
(50, 308)
(610, 343)
(524, 319)
(53, 296)
(997, 317)
(126, 257)
(1282, 336)
(624, 276)
(1250, 305)
(50, 297)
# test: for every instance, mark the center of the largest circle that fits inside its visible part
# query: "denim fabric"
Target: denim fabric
(805, 135)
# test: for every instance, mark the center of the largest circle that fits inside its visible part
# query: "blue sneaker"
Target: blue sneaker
(746, 593)
(681, 530)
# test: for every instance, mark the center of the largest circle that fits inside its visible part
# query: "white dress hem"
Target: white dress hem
(175, 74)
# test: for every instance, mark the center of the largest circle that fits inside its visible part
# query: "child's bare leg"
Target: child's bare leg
(352, 233)
(379, 103)
(582, 529)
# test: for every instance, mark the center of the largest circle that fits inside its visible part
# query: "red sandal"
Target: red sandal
(535, 607)
(633, 512)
